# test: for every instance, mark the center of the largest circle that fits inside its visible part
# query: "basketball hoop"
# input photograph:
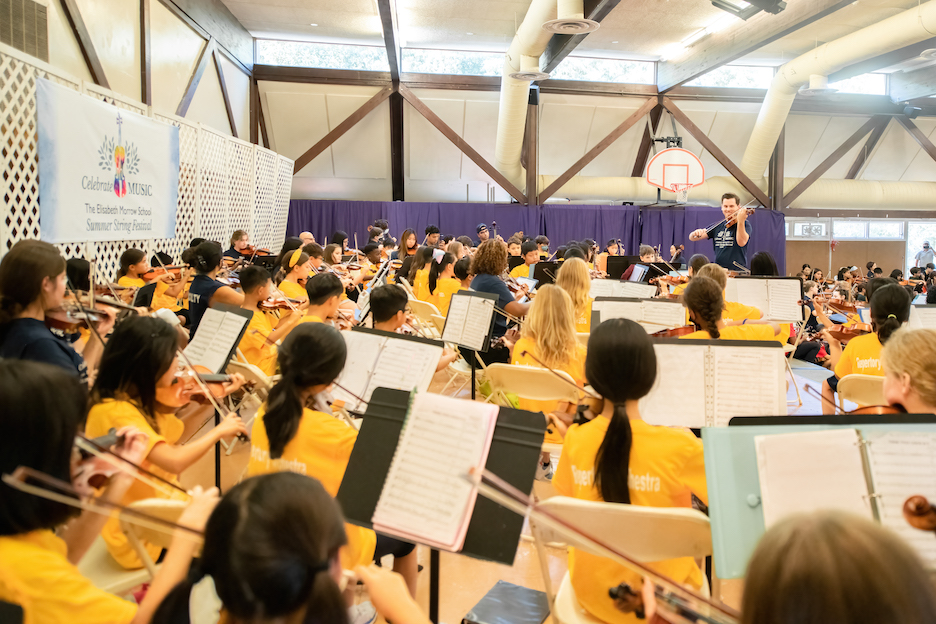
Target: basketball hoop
(675, 170)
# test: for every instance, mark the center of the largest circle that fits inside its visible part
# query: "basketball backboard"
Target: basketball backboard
(676, 170)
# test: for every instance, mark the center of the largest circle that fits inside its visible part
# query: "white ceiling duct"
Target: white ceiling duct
(898, 31)
(529, 70)
(818, 85)
(571, 20)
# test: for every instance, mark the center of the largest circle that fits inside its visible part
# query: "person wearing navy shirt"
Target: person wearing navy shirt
(239, 242)
(730, 242)
(206, 291)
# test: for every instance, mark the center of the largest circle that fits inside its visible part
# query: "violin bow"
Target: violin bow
(743, 268)
(811, 391)
(585, 391)
(88, 445)
(190, 369)
(65, 493)
(289, 303)
(81, 308)
(725, 220)
(349, 393)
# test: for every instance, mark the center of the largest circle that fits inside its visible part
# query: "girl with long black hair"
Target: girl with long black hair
(619, 458)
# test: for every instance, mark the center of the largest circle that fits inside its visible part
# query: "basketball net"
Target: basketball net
(682, 192)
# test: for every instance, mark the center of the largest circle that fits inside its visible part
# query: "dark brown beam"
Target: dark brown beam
(85, 44)
(560, 46)
(461, 144)
(213, 20)
(254, 111)
(308, 75)
(342, 128)
(741, 39)
(775, 172)
(195, 78)
(883, 61)
(263, 127)
(391, 37)
(224, 92)
(915, 84)
(594, 152)
(865, 152)
(146, 54)
(715, 151)
(396, 147)
(833, 158)
(917, 135)
(532, 147)
(646, 142)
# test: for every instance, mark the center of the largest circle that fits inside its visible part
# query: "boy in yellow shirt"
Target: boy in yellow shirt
(530, 258)
(260, 338)
(324, 291)
(388, 305)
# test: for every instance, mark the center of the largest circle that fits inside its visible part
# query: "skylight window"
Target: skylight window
(323, 55)
(457, 62)
(735, 77)
(604, 70)
(867, 84)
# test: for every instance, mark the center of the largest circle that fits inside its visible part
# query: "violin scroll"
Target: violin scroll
(919, 513)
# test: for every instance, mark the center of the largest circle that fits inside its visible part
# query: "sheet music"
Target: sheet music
(602, 288)
(748, 381)
(455, 319)
(618, 309)
(425, 497)
(363, 353)
(904, 465)
(635, 290)
(806, 472)
(218, 334)
(403, 365)
(663, 312)
(749, 291)
(783, 296)
(468, 321)
(922, 317)
(680, 374)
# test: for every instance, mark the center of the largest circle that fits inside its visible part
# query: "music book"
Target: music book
(778, 298)
(663, 313)
(921, 317)
(470, 319)
(618, 288)
(871, 474)
(426, 497)
(385, 359)
(219, 333)
(736, 377)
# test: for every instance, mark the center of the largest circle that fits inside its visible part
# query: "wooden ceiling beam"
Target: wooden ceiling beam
(646, 142)
(461, 144)
(224, 92)
(206, 54)
(918, 135)
(722, 158)
(85, 44)
(904, 86)
(894, 57)
(391, 36)
(865, 152)
(560, 46)
(741, 39)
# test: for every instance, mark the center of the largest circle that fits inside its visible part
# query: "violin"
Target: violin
(675, 332)
(70, 318)
(250, 250)
(671, 280)
(919, 513)
(175, 273)
(273, 305)
(733, 219)
(514, 286)
(844, 334)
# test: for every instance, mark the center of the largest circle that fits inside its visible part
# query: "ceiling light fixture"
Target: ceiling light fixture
(469, 33)
(313, 24)
(746, 10)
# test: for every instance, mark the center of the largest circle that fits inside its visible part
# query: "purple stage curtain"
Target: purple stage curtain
(666, 226)
(601, 223)
(462, 219)
(324, 217)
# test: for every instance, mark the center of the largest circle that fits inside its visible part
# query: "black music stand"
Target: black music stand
(486, 343)
(513, 262)
(546, 272)
(618, 264)
(494, 531)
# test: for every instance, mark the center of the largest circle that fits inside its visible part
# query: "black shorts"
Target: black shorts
(833, 383)
(387, 545)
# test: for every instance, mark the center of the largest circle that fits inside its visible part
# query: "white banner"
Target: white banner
(105, 174)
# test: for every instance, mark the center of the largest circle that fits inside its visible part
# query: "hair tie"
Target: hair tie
(892, 316)
(294, 258)
(437, 255)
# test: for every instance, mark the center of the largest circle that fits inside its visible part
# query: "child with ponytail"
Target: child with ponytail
(618, 458)
(442, 282)
(288, 435)
(706, 304)
(890, 308)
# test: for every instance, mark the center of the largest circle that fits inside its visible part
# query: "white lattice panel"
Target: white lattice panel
(238, 156)
(212, 188)
(281, 200)
(224, 184)
(267, 173)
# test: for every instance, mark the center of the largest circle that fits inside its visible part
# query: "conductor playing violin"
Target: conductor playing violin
(731, 235)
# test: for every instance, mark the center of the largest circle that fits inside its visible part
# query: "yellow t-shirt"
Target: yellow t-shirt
(112, 413)
(320, 449)
(163, 301)
(735, 311)
(254, 344)
(862, 355)
(679, 288)
(736, 332)
(666, 466)
(293, 290)
(521, 270)
(575, 369)
(35, 573)
(421, 285)
(136, 282)
(583, 318)
(442, 296)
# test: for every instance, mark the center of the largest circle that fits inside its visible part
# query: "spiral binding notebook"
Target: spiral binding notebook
(778, 298)
(426, 497)
(737, 378)
(869, 474)
(661, 313)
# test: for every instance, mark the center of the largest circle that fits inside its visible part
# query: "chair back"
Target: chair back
(646, 534)
(528, 382)
(162, 508)
(424, 310)
(863, 390)
(582, 338)
(262, 383)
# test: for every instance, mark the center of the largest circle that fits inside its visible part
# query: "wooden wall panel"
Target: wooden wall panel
(888, 255)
